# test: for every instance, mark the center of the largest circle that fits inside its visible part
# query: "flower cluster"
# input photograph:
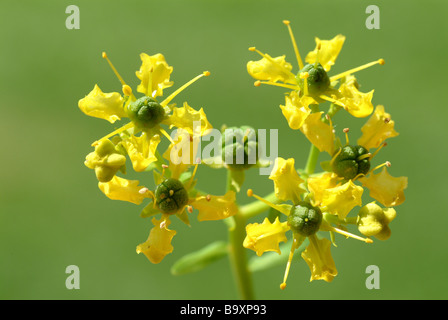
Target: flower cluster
(321, 202)
(174, 193)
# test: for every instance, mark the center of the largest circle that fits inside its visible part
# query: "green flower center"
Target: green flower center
(146, 112)
(171, 196)
(351, 161)
(305, 219)
(318, 80)
(240, 147)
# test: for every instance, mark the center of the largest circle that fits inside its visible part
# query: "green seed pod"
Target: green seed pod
(240, 147)
(318, 80)
(171, 196)
(146, 112)
(351, 161)
(305, 219)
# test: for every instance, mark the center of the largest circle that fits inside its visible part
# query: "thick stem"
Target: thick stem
(237, 253)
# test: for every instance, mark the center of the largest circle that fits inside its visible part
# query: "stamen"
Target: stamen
(351, 235)
(335, 156)
(379, 148)
(282, 209)
(304, 76)
(119, 130)
(113, 69)
(192, 176)
(351, 71)
(317, 55)
(387, 164)
(258, 83)
(294, 44)
(324, 97)
(265, 56)
(364, 156)
(175, 93)
(166, 135)
(149, 88)
(346, 130)
(288, 265)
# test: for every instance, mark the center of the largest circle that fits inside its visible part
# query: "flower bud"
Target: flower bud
(351, 161)
(304, 219)
(171, 196)
(146, 112)
(374, 221)
(105, 160)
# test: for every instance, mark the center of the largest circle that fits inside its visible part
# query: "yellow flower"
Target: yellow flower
(312, 79)
(374, 221)
(175, 195)
(146, 114)
(388, 190)
(377, 129)
(305, 219)
(286, 180)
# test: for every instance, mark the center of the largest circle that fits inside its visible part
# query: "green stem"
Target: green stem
(237, 252)
(311, 163)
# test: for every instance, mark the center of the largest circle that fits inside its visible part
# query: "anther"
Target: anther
(127, 91)
(143, 190)
(164, 166)
(189, 209)
(382, 62)
(252, 49)
(386, 120)
(286, 22)
(250, 193)
(208, 197)
(257, 83)
(206, 73)
(388, 164)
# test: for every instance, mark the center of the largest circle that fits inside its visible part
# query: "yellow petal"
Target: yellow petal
(266, 236)
(318, 257)
(216, 207)
(341, 199)
(358, 104)
(122, 189)
(319, 133)
(378, 128)
(286, 180)
(329, 51)
(187, 118)
(108, 106)
(141, 150)
(388, 190)
(154, 74)
(158, 244)
(272, 69)
(296, 109)
(317, 185)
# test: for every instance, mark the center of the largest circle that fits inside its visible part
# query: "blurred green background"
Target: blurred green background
(52, 213)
